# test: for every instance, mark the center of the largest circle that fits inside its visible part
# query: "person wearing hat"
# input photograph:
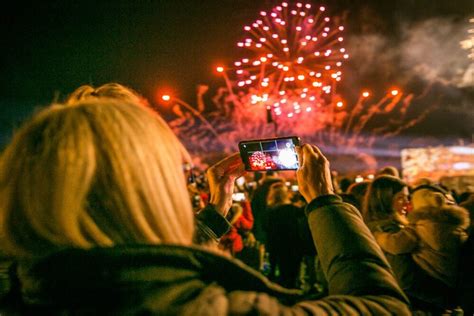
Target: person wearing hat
(436, 230)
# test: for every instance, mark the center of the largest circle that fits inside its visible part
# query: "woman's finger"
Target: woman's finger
(309, 151)
(299, 154)
(318, 152)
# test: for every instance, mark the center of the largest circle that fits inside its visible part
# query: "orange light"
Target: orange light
(395, 92)
(220, 69)
(366, 94)
(166, 97)
(340, 104)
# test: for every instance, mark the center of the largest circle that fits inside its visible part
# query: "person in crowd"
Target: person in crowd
(231, 242)
(432, 237)
(247, 184)
(298, 200)
(344, 184)
(358, 191)
(259, 208)
(241, 218)
(442, 230)
(259, 203)
(92, 210)
(283, 239)
(349, 198)
(427, 195)
(388, 171)
(195, 197)
(386, 200)
(442, 227)
(383, 211)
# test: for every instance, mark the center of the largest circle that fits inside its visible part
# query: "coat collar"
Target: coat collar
(74, 276)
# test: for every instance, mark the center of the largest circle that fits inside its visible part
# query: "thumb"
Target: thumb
(300, 155)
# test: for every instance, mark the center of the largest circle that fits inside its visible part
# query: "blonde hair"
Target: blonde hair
(96, 173)
(109, 91)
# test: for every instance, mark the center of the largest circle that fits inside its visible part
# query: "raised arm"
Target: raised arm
(359, 277)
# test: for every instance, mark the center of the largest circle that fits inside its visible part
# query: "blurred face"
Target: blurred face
(279, 186)
(401, 201)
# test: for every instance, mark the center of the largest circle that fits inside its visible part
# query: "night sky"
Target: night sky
(49, 48)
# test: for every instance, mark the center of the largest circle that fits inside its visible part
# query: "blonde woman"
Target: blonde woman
(94, 211)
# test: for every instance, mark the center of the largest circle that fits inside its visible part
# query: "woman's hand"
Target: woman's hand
(313, 175)
(221, 177)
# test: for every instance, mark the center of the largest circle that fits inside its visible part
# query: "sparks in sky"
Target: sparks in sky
(292, 58)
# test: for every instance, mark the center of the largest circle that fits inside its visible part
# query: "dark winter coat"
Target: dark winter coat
(424, 254)
(434, 237)
(177, 280)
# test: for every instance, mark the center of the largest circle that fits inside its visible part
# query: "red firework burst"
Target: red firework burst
(293, 58)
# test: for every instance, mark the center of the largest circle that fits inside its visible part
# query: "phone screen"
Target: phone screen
(270, 154)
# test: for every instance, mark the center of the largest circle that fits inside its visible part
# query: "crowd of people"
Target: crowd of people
(423, 230)
(102, 212)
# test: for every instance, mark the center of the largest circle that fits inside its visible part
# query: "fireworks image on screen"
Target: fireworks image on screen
(261, 161)
(292, 58)
(257, 160)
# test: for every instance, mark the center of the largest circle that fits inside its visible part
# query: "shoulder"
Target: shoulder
(385, 226)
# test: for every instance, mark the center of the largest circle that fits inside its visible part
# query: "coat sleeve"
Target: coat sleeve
(210, 226)
(254, 303)
(404, 241)
(359, 277)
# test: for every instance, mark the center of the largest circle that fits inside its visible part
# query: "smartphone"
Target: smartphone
(238, 197)
(271, 154)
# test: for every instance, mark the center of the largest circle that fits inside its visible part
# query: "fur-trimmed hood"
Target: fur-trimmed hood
(441, 232)
(447, 214)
